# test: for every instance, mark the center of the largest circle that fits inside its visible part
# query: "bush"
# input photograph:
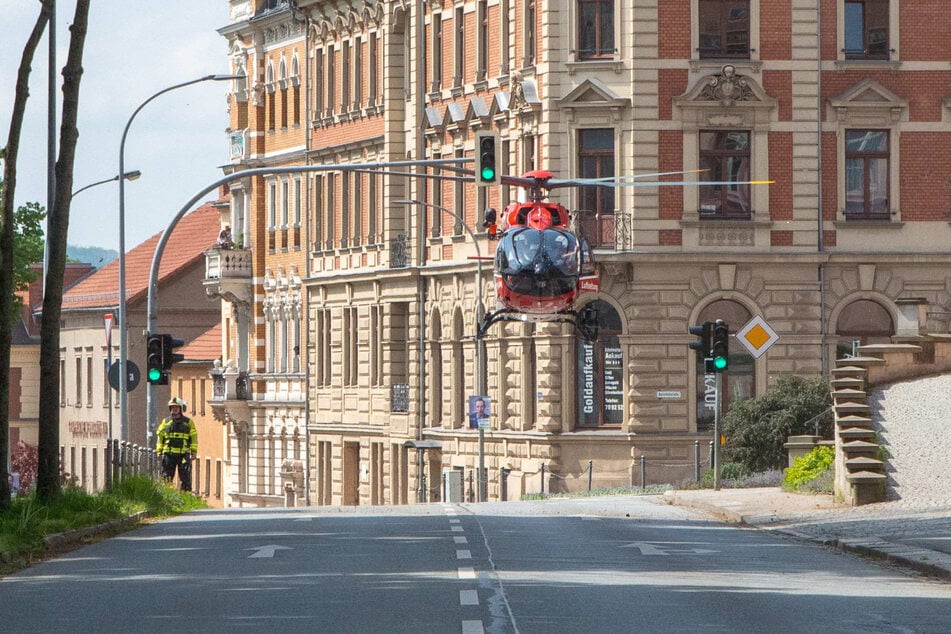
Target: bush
(811, 472)
(25, 460)
(756, 428)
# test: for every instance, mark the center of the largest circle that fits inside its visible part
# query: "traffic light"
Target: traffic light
(486, 158)
(170, 358)
(155, 360)
(702, 345)
(488, 221)
(721, 346)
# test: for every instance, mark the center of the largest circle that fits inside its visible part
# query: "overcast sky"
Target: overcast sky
(134, 48)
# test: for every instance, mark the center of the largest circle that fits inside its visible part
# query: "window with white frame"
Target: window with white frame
(725, 156)
(345, 75)
(866, 174)
(331, 103)
(482, 40)
(272, 206)
(528, 34)
(285, 202)
(459, 41)
(724, 29)
(865, 29)
(595, 29)
(357, 73)
(436, 55)
(318, 83)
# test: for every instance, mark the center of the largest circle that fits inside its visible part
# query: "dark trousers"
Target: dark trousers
(170, 462)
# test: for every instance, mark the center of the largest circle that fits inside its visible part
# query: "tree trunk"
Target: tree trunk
(10, 153)
(48, 476)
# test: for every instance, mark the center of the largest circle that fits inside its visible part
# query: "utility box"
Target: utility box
(452, 486)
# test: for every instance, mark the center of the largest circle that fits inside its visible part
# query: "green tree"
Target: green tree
(756, 428)
(28, 242)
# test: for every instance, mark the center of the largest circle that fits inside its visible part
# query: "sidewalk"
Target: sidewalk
(918, 537)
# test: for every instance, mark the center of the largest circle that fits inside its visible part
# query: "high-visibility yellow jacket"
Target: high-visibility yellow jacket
(177, 437)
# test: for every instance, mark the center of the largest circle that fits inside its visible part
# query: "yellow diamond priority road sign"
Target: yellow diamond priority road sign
(756, 336)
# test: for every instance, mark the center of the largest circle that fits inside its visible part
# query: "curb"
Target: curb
(929, 562)
(68, 538)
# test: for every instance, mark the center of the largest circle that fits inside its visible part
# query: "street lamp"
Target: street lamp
(129, 176)
(480, 360)
(123, 329)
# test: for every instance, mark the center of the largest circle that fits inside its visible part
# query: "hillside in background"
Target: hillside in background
(96, 256)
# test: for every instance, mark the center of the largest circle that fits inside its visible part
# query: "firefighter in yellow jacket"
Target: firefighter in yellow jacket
(177, 443)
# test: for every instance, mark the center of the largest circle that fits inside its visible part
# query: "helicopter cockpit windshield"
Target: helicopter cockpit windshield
(538, 262)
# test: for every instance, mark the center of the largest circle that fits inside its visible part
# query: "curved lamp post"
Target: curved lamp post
(129, 176)
(480, 357)
(123, 330)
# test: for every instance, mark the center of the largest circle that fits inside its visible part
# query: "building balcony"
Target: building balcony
(228, 274)
(231, 395)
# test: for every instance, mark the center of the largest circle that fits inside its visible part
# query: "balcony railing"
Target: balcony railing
(606, 230)
(227, 264)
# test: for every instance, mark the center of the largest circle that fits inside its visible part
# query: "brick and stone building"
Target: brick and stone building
(845, 106)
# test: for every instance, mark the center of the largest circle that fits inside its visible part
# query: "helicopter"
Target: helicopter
(541, 265)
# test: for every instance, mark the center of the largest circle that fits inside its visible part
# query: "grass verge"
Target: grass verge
(27, 522)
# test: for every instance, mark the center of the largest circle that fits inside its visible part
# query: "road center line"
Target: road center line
(468, 597)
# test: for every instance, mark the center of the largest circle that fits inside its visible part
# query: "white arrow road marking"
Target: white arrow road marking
(265, 551)
(653, 549)
(646, 549)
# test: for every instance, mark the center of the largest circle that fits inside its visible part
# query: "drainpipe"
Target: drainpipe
(820, 242)
(420, 149)
(305, 82)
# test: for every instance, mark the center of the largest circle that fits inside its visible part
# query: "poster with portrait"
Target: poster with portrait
(480, 409)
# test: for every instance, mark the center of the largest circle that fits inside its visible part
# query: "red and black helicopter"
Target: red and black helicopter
(541, 266)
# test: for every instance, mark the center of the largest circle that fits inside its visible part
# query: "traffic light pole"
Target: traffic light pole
(716, 432)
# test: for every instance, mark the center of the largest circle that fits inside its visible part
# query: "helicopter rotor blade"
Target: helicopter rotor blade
(683, 183)
(566, 182)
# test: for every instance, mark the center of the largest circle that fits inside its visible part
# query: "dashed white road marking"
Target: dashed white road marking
(456, 529)
(463, 554)
(461, 540)
(472, 627)
(467, 573)
(468, 597)
(453, 521)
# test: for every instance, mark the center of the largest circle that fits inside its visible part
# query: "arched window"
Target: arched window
(739, 380)
(436, 370)
(860, 323)
(601, 372)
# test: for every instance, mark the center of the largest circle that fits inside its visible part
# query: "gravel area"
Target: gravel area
(914, 419)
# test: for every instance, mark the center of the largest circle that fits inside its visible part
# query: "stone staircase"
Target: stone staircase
(860, 474)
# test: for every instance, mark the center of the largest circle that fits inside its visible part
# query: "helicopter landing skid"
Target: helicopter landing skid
(585, 322)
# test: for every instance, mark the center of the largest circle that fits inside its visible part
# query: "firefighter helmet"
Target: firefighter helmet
(177, 401)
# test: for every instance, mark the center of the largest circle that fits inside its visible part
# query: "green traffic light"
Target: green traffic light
(488, 174)
(154, 375)
(719, 363)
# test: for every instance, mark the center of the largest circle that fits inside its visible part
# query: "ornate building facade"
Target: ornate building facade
(362, 286)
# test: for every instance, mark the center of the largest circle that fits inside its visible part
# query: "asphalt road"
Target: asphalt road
(566, 566)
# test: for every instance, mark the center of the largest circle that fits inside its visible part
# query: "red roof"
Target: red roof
(192, 236)
(205, 347)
